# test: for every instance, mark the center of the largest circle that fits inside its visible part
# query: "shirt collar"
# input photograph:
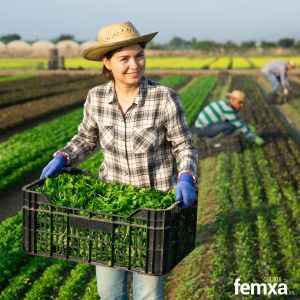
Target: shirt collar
(141, 96)
(110, 93)
(139, 99)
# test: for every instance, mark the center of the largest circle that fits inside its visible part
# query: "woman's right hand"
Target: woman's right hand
(54, 166)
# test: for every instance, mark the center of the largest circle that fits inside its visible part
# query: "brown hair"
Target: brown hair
(107, 74)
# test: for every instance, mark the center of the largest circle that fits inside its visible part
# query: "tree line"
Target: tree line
(210, 45)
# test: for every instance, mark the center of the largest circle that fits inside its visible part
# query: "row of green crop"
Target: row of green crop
(174, 82)
(244, 240)
(222, 277)
(282, 152)
(267, 263)
(262, 227)
(36, 277)
(285, 230)
(12, 256)
(20, 114)
(28, 151)
(32, 82)
(29, 94)
(255, 239)
(193, 98)
(10, 78)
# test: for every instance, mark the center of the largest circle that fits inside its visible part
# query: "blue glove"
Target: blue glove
(54, 166)
(185, 191)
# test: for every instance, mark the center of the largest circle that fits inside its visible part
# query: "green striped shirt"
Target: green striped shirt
(221, 111)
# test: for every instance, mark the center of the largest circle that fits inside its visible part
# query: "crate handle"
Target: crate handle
(91, 224)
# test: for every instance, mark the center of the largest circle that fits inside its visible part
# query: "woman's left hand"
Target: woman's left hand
(185, 190)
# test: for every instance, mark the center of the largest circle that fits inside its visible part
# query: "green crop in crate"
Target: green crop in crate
(80, 191)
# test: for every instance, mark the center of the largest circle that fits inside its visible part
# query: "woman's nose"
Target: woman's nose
(133, 63)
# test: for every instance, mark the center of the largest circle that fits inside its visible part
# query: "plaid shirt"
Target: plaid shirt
(146, 146)
(279, 69)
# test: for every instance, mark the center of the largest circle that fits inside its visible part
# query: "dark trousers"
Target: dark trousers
(212, 130)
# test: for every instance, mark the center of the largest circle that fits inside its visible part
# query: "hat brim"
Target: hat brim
(95, 53)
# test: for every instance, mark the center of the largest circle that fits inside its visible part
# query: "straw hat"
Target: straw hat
(291, 63)
(116, 36)
(236, 94)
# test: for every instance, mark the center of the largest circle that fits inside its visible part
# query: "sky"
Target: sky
(219, 20)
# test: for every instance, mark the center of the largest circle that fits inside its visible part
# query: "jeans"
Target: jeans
(214, 129)
(112, 285)
(274, 80)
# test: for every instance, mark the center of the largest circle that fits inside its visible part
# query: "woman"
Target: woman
(141, 128)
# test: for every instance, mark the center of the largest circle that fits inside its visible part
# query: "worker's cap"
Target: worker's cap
(291, 63)
(236, 94)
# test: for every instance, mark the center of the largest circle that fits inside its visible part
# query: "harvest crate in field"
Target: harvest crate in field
(209, 147)
(150, 241)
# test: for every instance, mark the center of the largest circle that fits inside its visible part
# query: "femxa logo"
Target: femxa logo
(277, 288)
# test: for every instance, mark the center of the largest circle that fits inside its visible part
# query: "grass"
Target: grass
(14, 77)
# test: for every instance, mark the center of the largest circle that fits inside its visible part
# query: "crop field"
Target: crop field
(248, 224)
(153, 63)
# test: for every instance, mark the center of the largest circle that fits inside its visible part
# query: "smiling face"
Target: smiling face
(127, 65)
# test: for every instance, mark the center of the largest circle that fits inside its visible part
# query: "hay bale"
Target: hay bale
(18, 49)
(68, 48)
(3, 49)
(41, 48)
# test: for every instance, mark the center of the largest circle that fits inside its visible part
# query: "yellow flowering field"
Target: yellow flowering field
(259, 62)
(195, 63)
(221, 63)
(239, 62)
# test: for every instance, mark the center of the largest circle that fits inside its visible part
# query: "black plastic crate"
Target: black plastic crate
(210, 147)
(149, 241)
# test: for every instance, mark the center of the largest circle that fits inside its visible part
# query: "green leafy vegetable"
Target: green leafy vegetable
(80, 191)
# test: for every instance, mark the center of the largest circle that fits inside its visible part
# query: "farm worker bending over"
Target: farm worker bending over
(220, 118)
(141, 128)
(276, 73)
